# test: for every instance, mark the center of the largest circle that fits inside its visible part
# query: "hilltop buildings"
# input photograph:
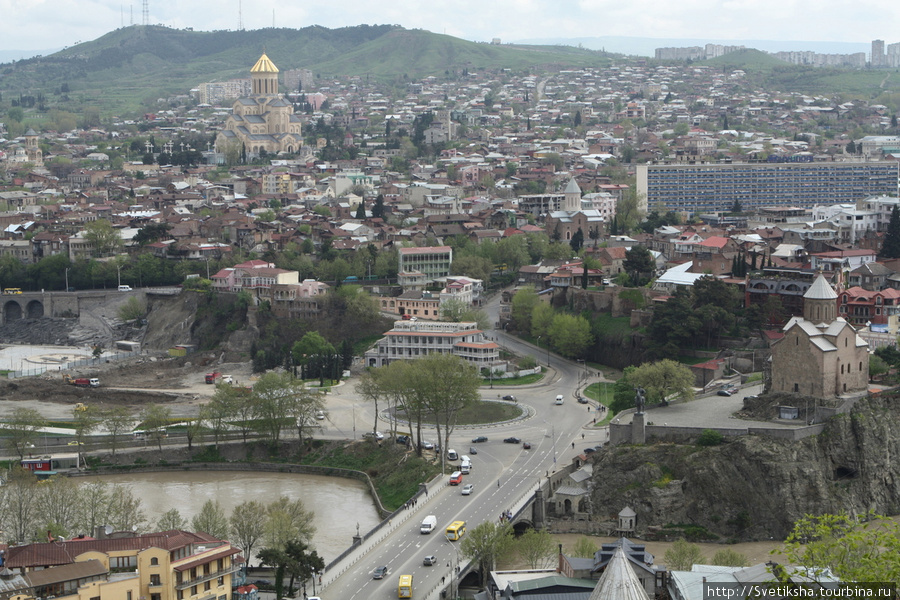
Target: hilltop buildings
(264, 121)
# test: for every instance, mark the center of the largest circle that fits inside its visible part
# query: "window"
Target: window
(154, 561)
(154, 579)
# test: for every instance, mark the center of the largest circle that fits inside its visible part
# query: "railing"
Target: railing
(207, 577)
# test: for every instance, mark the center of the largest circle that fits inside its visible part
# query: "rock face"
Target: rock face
(755, 487)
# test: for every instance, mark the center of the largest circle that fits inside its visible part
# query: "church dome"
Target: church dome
(820, 290)
(264, 65)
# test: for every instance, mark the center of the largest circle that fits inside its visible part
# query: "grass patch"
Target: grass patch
(524, 380)
(480, 413)
(754, 377)
(609, 324)
(692, 360)
(395, 472)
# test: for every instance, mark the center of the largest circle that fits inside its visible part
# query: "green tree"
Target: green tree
(682, 555)
(570, 335)
(361, 210)
(729, 558)
(117, 421)
(22, 429)
(476, 267)
(487, 544)
(154, 420)
(541, 319)
(287, 520)
(628, 210)
(248, 522)
(584, 548)
(537, 549)
(132, 310)
(211, 520)
(852, 551)
(276, 399)
(890, 248)
(664, 380)
(523, 303)
(170, 520)
(577, 240)
(639, 264)
(312, 343)
(103, 237)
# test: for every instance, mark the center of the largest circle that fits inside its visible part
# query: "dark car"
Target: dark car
(526, 445)
(509, 397)
(479, 439)
(262, 583)
(429, 560)
(590, 450)
(379, 572)
(403, 439)
(473, 450)
(582, 400)
(512, 440)
(724, 392)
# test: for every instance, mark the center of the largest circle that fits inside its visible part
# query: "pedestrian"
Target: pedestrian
(573, 445)
(498, 483)
(582, 436)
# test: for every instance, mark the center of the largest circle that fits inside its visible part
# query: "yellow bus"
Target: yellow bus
(455, 530)
(404, 588)
(12, 291)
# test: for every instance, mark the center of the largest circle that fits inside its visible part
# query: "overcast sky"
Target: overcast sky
(47, 24)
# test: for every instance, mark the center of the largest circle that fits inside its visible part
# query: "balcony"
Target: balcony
(204, 578)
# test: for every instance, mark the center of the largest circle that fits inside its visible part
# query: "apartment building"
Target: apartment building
(716, 187)
(431, 261)
(409, 340)
(170, 565)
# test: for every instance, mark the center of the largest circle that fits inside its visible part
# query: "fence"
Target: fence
(69, 364)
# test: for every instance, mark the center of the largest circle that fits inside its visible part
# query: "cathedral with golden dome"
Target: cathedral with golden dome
(263, 121)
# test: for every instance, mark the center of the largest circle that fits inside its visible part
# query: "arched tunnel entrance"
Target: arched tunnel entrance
(35, 309)
(12, 311)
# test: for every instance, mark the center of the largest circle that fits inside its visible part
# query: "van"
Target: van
(455, 478)
(125, 288)
(452, 455)
(465, 465)
(428, 524)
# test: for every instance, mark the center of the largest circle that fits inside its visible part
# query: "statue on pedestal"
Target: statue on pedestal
(640, 398)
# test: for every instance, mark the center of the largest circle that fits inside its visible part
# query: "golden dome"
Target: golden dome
(264, 65)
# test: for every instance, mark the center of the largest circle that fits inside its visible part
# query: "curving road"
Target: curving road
(503, 475)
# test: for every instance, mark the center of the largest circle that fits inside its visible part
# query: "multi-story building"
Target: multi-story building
(413, 339)
(170, 565)
(877, 59)
(430, 261)
(222, 91)
(298, 300)
(716, 187)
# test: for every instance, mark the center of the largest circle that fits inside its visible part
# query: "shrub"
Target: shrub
(710, 437)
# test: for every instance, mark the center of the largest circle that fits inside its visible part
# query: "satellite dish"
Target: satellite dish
(134, 528)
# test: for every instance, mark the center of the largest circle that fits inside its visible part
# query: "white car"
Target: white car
(559, 399)
(320, 416)
(377, 435)
(467, 489)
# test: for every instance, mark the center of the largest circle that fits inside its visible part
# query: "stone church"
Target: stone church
(263, 121)
(821, 354)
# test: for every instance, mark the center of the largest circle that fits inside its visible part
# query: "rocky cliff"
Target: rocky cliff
(756, 487)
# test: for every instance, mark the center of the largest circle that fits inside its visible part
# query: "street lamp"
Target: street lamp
(552, 440)
(452, 545)
(67, 279)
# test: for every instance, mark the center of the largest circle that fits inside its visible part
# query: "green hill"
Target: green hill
(133, 66)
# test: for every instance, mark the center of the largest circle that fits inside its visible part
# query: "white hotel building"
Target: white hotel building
(409, 340)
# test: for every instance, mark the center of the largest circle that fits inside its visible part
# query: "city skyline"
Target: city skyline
(44, 25)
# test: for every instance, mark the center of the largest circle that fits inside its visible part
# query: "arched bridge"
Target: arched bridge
(34, 305)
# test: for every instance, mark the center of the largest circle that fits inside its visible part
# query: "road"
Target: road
(503, 475)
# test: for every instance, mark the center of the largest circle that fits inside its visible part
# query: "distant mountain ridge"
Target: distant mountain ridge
(640, 46)
(159, 60)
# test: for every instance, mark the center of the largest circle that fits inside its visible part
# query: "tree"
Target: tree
(22, 429)
(664, 380)
(19, 510)
(541, 319)
(211, 520)
(278, 559)
(868, 552)
(303, 562)
(361, 210)
(287, 520)
(523, 303)
(639, 264)
(537, 549)
(487, 543)
(103, 237)
(276, 398)
(85, 419)
(577, 240)
(378, 207)
(124, 511)
(132, 310)
(570, 335)
(729, 558)
(248, 522)
(682, 555)
(891, 246)
(628, 210)
(155, 419)
(170, 520)
(584, 548)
